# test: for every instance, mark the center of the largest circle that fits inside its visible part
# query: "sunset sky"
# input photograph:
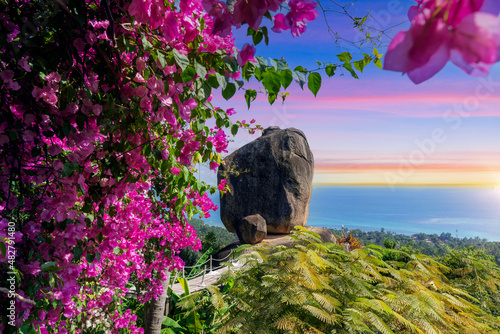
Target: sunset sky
(383, 129)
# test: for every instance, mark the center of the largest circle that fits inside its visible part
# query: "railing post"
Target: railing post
(210, 263)
(202, 284)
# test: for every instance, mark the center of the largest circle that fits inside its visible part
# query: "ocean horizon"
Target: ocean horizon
(462, 211)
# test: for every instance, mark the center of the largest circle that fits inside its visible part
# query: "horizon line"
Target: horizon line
(380, 184)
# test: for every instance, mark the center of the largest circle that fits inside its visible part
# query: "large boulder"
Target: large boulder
(270, 176)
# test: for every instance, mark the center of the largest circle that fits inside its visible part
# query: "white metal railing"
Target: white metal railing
(211, 270)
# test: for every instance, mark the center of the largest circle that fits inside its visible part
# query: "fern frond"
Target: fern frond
(328, 302)
(379, 324)
(320, 314)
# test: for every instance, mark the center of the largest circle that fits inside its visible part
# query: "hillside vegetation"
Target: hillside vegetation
(315, 287)
(429, 244)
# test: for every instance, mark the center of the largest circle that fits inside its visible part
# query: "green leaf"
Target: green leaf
(198, 125)
(27, 329)
(184, 285)
(258, 74)
(169, 322)
(162, 59)
(257, 38)
(271, 97)
(200, 70)
(49, 266)
(300, 77)
(212, 80)
(69, 168)
(90, 257)
(229, 91)
(145, 42)
(286, 78)
(188, 74)
(220, 123)
(344, 56)
(77, 253)
(180, 59)
(250, 95)
(281, 64)
(300, 69)
(348, 67)
(146, 150)
(262, 61)
(3, 248)
(314, 83)
(266, 35)
(232, 64)
(202, 88)
(52, 280)
(164, 167)
(239, 83)
(248, 70)
(378, 63)
(234, 131)
(250, 31)
(274, 63)
(222, 80)
(330, 70)
(271, 81)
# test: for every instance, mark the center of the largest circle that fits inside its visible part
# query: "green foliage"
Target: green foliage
(429, 244)
(314, 287)
(212, 237)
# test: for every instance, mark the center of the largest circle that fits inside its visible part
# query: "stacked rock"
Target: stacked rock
(270, 185)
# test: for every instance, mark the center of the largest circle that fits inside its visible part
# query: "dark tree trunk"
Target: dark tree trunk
(156, 310)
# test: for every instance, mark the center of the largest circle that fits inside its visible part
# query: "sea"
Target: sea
(462, 211)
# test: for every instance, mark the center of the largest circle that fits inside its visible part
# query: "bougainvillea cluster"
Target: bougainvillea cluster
(465, 32)
(102, 122)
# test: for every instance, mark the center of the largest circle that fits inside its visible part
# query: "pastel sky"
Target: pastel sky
(382, 128)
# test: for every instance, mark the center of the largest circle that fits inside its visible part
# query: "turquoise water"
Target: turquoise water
(473, 212)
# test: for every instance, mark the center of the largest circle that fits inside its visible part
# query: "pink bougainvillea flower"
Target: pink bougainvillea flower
(280, 23)
(409, 52)
(457, 31)
(175, 170)
(222, 24)
(250, 11)
(222, 185)
(170, 27)
(476, 42)
(301, 12)
(7, 76)
(214, 165)
(246, 54)
(230, 111)
(23, 62)
(148, 11)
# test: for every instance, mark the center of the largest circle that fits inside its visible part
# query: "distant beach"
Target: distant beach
(463, 211)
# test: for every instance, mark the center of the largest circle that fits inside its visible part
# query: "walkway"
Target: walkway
(206, 276)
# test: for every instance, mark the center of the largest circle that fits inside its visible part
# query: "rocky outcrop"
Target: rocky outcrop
(271, 177)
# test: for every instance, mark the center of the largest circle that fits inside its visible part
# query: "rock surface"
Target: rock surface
(271, 176)
(252, 229)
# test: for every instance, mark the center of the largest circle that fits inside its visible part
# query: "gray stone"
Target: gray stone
(271, 176)
(252, 229)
